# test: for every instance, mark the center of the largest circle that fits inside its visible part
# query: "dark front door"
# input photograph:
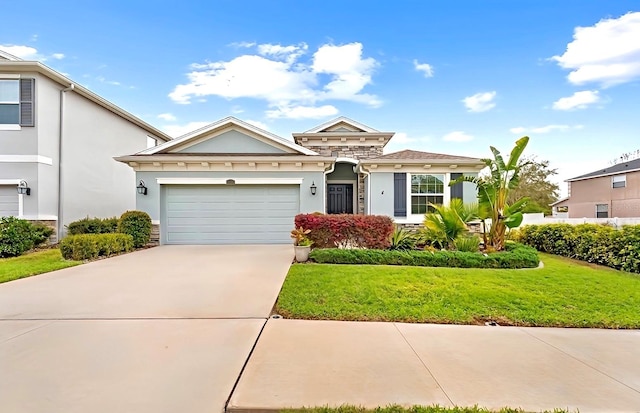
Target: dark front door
(340, 199)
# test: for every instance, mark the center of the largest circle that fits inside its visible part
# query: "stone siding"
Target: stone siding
(354, 152)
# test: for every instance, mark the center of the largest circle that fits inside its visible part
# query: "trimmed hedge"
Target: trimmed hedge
(331, 231)
(515, 256)
(93, 226)
(91, 246)
(598, 244)
(138, 225)
(18, 235)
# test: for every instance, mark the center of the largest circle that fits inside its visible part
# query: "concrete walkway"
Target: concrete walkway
(161, 330)
(318, 363)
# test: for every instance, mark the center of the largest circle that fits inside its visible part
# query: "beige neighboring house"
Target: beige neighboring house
(612, 192)
(57, 143)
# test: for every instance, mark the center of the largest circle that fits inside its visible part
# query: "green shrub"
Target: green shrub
(515, 256)
(138, 225)
(91, 246)
(598, 244)
(402, 240)
(18, 235)
(93, 226)
(468, 243)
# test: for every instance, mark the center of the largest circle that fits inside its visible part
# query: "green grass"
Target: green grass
(565, 293)
(414, 409)
(31, 264)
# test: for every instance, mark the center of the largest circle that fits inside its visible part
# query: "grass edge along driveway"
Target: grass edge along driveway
(565, 293)
(33, 263)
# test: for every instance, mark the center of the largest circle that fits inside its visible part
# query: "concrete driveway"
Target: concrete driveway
(166, 329)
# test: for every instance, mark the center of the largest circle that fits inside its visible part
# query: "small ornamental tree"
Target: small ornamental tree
(493, 192)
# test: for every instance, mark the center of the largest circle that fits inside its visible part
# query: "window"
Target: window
(562, 209)
(16, 102)
(426, 189)
(602, 211)
(619, 181)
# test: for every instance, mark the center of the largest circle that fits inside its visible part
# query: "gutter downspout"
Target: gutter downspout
(367, 210)
(324, 185)
(60, 134)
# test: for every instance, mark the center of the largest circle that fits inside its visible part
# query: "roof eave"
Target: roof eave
(84, 92)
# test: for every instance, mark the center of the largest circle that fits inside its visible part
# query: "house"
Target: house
(57, 143)
(231, 182)
(606, 193)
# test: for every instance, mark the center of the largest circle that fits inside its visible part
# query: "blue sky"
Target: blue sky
(446, 76)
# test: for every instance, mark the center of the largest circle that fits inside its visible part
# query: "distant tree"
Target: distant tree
(535, 184)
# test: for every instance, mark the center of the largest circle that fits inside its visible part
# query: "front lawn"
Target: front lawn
(31, 264)
(565, 293)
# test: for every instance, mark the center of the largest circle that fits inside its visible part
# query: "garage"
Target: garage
(228, 214)
(8, 201)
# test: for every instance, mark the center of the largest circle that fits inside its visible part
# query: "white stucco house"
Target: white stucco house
(58, 139)
(231, 182)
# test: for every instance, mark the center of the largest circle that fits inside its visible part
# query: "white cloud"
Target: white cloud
(457, 136)
(167, 116)
(23, 52)
(544, 129)
(480, 102)
(281, 76)
(257, 124)
(402, 137)
(426, 68)
(179, 130)
(607, 53)
(302, 112)
(579, 100)
(236, 110)
(58, 56)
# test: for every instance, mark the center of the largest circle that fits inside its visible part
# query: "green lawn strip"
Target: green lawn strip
(413, 409)
(33, 263)
(565, 293)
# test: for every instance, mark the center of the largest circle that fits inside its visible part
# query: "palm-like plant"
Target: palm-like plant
(493, 191)
(447, 223)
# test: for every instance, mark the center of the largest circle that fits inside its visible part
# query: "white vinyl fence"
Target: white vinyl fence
(540, 219)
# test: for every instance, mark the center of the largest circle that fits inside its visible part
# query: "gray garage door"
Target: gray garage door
(8, 200)
(229, 214)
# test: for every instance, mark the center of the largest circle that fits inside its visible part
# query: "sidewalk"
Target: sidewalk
(300, 363)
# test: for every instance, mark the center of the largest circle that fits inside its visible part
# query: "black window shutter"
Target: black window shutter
(456, 190)
(399, 195)
(27, 89)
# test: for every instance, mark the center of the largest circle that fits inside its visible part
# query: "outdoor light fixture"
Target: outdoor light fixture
(23, 189)
(313, 188)
(142, 190)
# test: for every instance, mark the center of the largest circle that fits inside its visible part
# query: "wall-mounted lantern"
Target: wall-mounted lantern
(313, 188)
(23, 188)
(142, 190)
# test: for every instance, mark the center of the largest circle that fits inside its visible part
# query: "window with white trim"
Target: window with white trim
(619, 181)
(16, 102)
(426, 189)
(602, 210)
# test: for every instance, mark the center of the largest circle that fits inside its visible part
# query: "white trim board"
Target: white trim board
(223, 181)
(26, 159)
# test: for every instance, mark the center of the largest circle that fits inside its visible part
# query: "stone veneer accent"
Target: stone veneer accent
(355, 152)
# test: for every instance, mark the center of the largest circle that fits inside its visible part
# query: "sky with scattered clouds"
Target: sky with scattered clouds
(447, 76)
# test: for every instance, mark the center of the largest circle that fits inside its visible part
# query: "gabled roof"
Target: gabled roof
(424, 156)
(559, 201)
(342, 119)
(223, 124)
(32, 66)
(8, 56)
(620, 168)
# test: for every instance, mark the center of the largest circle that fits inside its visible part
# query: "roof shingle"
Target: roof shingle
(419, 155)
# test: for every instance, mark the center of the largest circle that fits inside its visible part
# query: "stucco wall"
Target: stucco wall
(232, 142)
(150, 203)
(93, 182)
(622, 202)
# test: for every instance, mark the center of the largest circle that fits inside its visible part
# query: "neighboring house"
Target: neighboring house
(613, 192)
(231, 182)
(59, 139)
